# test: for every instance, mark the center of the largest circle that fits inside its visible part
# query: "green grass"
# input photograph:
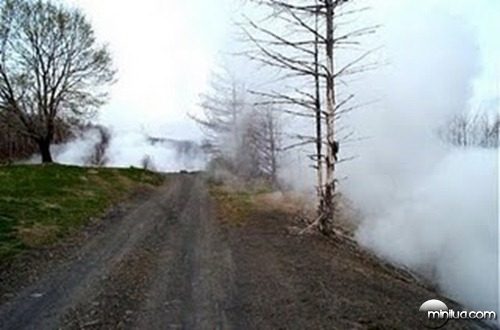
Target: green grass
(41, 203)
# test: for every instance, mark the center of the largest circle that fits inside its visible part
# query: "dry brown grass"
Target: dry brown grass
(37, 235)
(303, 208)
(232, 207)
(290, 202)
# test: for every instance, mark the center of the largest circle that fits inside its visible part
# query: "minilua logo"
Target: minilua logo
(436, 314)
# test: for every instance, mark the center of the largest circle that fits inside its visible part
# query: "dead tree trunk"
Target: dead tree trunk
(272, 146)
(317, 106)
(328, 203)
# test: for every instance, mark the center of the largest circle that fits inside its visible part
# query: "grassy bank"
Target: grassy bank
(39, 204)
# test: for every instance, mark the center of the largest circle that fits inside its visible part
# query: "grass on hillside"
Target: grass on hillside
(41, 203)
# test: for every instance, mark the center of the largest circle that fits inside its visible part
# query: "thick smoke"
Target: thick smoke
(130, 148)
(446, 228)
(426, 205)
(79, 150)
(133, 148)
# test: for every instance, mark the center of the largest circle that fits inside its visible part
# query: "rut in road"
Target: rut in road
(162, 266)
(170, 262)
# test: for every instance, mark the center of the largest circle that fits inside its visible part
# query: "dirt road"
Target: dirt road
(165, 262)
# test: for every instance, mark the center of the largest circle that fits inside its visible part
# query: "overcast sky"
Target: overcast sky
(164, 51)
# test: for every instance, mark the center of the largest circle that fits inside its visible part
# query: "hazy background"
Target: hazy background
(424, 205)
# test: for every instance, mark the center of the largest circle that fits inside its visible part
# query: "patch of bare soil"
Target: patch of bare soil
(290, 281)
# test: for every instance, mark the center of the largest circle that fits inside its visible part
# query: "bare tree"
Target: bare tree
(318, 114)
(247, 162)
(305, 51)
(51, 68)
(471, 130)
(243, 136)
(270, 141)
(259, 151)
(222, 107)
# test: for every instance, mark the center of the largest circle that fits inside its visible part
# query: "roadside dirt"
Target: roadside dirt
(164, 261)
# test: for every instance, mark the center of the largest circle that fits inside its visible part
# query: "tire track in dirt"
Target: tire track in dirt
(192, 292)
(144, 271)
(113, 303)
(169, 263)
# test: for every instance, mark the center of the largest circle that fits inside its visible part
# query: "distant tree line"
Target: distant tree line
(472, 130)
(15, 146)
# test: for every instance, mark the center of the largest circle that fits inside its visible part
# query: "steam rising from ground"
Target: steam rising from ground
(446, 228)
(78, 151)
(425, 205)
(133, 148)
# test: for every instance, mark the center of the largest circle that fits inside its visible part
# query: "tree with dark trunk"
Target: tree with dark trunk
(51, 69)
(16, 146)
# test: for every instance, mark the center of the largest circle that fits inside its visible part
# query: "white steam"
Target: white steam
(78, 151)
(446, 228)
(425, 205)
(131, 148)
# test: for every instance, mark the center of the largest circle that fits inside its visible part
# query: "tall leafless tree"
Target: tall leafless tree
(222, 106)
(305, 49)
(243, 135)
(270, 132)
(51, 68)
(262, 142)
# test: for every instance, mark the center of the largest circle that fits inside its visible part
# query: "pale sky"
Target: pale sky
(483, 16)
(165, 50)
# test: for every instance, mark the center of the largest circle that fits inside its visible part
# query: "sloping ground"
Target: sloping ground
(286, 280)
(180, 259)
(39, 204)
